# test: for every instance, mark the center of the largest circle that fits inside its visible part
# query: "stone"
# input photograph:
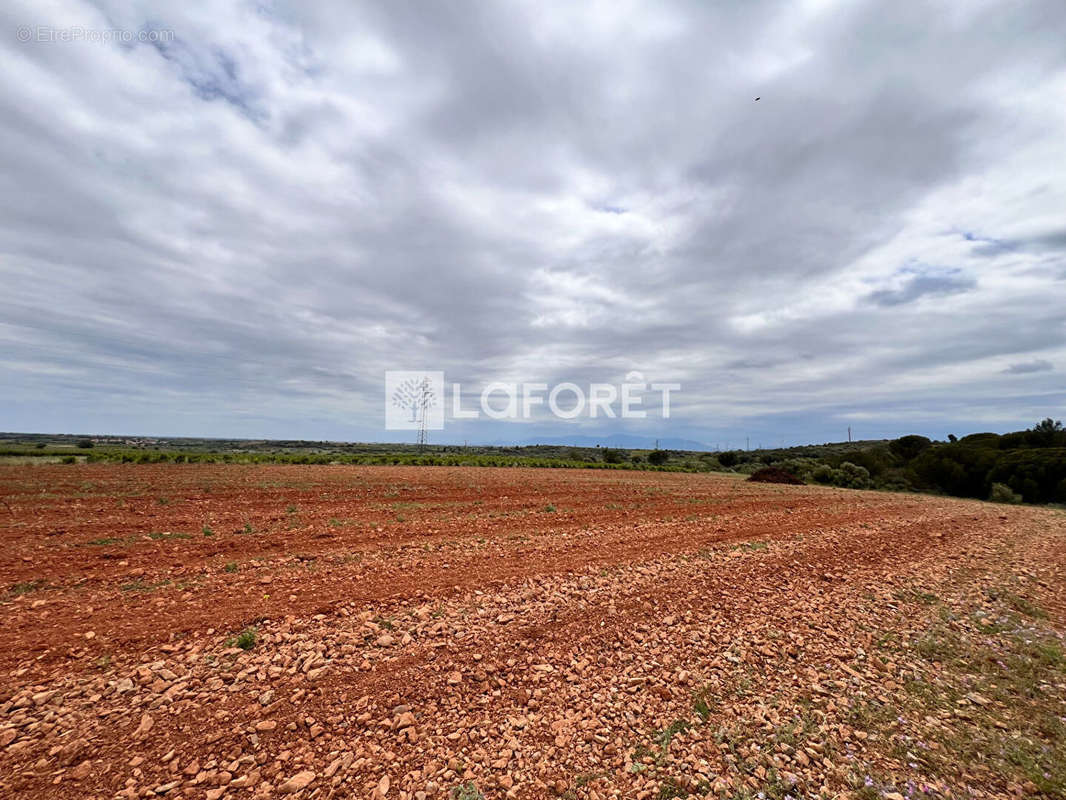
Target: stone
(301, 780)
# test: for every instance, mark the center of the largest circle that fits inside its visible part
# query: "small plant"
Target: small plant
(549, 508)
(231, 566)
(25, 587)
(244, 640)
(163, 501)
(466, 791)
(665, 736)
(291, 510)
(672, 788)
(208, 532)
(248, 528)
(701, 707)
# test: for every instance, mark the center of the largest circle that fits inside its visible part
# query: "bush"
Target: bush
(85, 444)
(613, 456)
(774, 475)
(1001, 493)
(244, 640)
(1039, 476)
(909, 447)
(728, 459)
(981, 440)
(854, 476)
(658, 457)
(956, 469)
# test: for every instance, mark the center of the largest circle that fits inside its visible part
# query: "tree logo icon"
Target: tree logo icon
(414, 400)
(414, 396)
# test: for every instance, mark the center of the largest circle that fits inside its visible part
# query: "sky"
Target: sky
(230, 219)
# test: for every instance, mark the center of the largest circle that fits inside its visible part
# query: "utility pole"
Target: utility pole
(425, 397)
(747, 443)
(849, 433)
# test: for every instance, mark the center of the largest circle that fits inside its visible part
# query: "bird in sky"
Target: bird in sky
(757, 99)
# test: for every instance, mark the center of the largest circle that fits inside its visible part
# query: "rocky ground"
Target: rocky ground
(230, 631)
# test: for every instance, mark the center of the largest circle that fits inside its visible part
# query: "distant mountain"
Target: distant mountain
(623, 441)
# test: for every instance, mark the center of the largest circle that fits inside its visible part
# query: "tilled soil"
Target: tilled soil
(444, 632)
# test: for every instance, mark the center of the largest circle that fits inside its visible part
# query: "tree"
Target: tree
(909, 447)
(1047, 433)
(728, 458)
(658, 457)
(1048, 426)
(85, 444)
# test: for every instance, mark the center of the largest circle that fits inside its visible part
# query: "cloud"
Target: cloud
(1053, 241)
(922, 285)
(1027, 367)
(237, 232)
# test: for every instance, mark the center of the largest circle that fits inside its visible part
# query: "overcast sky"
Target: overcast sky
(237, 231)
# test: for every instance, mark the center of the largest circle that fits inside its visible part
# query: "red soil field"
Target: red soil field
(421, 630)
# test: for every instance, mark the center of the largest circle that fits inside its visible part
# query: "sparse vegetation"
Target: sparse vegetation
(26, 587)
(466, 791)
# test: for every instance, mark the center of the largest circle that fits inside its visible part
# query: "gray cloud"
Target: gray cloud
(922, 285)
(239, 231)
(1027, 367)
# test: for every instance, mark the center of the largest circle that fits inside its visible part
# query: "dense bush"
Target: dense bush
(955, 469)
(981, 440)
(728, 459)
(1039, 476)
(909, 447)
(1001, 493)
(658, 457)
(774, 475)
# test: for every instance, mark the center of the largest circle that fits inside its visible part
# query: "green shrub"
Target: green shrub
(466, 791)
(244, 640)
(658, 457)
(909, 447)
(728, 459)
(854, 476)
(1001, 493)
(1038, 475)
